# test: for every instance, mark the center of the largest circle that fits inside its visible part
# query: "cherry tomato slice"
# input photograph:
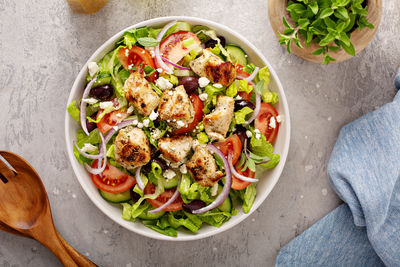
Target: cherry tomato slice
(231, 144)
(111, 119)
(112, 180)
(163, 198)
(198, 115)
(136, 56)
(262, 122)
(238, 184)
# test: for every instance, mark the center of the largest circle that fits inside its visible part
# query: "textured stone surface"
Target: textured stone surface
(42, 48)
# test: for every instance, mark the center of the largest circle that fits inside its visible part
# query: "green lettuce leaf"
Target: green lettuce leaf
(74, 111)
(240, 115)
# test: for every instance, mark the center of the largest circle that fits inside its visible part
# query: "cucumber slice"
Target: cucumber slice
(116, 197)
(237, 54)
(151, 216)
(171, 183)
(226, 206)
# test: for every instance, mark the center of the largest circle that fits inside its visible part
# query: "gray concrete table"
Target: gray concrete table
(42, 48)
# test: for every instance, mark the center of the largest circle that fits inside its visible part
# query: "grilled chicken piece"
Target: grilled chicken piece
(217, 123)
(175, 107)
(139, 92)
(203, 168)
(214, 68)
(175, 148)
(132, 148)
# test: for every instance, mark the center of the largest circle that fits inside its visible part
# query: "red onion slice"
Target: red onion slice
(256, 110)
(100, 168)
(84, 105)
(139, 180)
(157, 48)
(253, 75)
(170, 201)
(175, 65)
(238, 175)
(86, 155)
(227, 186)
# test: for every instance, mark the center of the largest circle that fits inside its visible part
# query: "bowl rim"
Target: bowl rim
(282, 100)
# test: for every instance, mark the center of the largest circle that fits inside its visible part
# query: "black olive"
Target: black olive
(190, 83)
(91, 125)
(194, 205)
(241, 132)
(102, 92)
(134, 196)
(239, 104)
(222, 40)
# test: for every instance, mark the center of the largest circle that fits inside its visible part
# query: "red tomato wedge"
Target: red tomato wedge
(111, 119)
(113, 180)
(263, 120)
(172, 47)
(238, 184)
(244, 95)
(231, 144)
(136, 56)
(198, 115)
(164, 197)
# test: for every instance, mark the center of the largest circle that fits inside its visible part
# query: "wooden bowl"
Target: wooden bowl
(360, 39)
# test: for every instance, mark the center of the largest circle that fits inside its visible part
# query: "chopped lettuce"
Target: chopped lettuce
(240, 115)
(262, 147)
(266, 95)
(232, 90)
(244, 86)
(74, 111)
(93, 138)
(202, 137)
(212, 93)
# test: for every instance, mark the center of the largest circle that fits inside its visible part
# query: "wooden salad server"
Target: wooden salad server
(25, 209)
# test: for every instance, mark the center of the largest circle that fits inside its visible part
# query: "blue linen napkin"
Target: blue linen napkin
(364, 170)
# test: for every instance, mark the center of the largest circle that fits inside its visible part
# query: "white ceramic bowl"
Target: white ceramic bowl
(264, 187)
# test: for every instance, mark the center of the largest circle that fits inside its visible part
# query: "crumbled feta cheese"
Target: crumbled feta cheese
(156, 134)
(214, 190)
(135, 122)
(130, 109)
(90, 101)
(279, 118)
(131, 66)
(140, 125)
(87, 147)
(180, 124)
(258, 135)
(183, 169)
(272, 123)
(92, 68)
(238, 97)
(203, 97)
(126, 52)
(119, 115)
(169, 174)
(163, 83)
(170, 93)
(256, 131)
(203, 81)
(115, 128)
(146, 122)
(217, 85)
(153, 115)
(249, 134)
(159, 70)
(106, 105)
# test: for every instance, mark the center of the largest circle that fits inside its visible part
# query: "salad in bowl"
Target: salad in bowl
(176, 126)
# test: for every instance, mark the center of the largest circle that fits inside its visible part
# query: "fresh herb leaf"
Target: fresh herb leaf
(147, 41)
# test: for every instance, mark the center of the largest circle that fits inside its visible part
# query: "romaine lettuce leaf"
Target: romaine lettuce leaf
(74, 111)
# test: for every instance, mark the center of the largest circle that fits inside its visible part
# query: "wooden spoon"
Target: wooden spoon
(25, 210)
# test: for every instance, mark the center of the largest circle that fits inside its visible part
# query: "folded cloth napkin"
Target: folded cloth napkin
(364, 170)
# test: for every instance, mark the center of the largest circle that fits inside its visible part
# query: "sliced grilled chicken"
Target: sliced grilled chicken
(175, 148)
(175, 107)
(132, 148)
(217, 123)
(214, 68)
(138, 91)
(203, 168)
